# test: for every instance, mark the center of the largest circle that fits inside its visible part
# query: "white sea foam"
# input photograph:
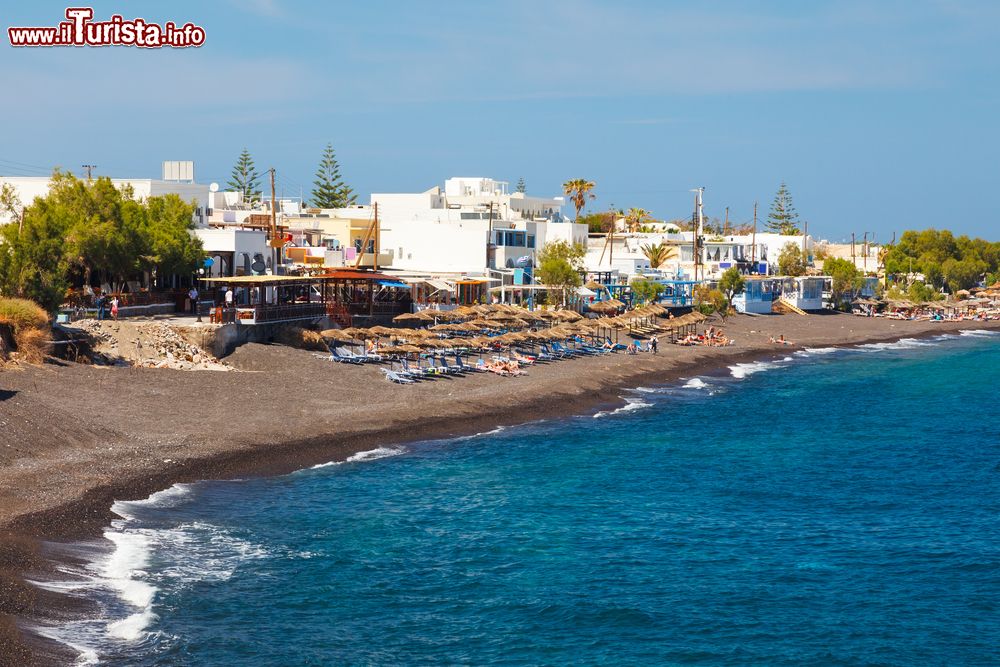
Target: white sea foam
(979, 332)
(128, 560)
(492, 431)
(647, 390)
(132, 628)
(815, 351)
(740, 371)
(630, 405)
(901, 344)
(370, 455)
(695, 383)
(165, 498)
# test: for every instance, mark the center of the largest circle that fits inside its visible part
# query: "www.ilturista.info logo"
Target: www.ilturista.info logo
(80, 30)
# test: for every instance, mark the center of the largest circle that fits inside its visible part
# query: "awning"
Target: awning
(440, 285)
(583, 291)
(392, 283)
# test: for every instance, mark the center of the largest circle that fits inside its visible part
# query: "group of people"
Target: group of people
(507, 367)
(104, 305)
(635, 347)
(712, 337)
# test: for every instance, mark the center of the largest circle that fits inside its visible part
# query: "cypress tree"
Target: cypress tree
(783, 218)
(245, 178)
(330, 190)
(520, 185)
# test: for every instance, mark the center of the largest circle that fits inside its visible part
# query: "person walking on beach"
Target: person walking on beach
(653, 342)
(114, 308)
(100, 303)
(229, 297)
(193, 296)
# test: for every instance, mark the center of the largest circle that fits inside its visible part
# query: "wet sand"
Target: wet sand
(74, 438)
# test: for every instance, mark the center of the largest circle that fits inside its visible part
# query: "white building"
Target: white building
(27, 188)
(470, 226)
(751, 253)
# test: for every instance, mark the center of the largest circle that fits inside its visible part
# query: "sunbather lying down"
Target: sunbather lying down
(504, 368)
(711, 338)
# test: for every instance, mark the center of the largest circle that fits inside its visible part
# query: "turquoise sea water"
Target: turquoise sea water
(832, 508)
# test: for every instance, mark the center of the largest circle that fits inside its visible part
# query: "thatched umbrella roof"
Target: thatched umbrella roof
(408, 317)
(336, 334)
(358, 332)
(602, 307)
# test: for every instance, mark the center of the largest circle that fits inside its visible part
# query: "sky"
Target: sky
(880, 116)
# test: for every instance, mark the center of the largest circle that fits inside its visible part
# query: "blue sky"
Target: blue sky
(881, 116)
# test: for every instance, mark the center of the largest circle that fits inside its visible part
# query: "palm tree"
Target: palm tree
(659, 254)
(636, 217)
(579, 191)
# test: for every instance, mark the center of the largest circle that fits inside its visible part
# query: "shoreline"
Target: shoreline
(85, 514)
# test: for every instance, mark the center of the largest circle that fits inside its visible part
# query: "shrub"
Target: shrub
(22, 313)
(29, 325)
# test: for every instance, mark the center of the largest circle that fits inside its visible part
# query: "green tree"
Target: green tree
(962, 274)
(783, 218)
(579, 190)
(171, 249)
(559, 266)
(520, 185)
(10, 203)
(82, 228)
(846, 281)
(636, 218)
(920, 292)
(928, 250)
(245, 178)
(658, 254)
(330, 190)
(790, 261)
(645, 290)
(731, 283)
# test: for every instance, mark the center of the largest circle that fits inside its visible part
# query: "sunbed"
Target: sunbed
(393, 376)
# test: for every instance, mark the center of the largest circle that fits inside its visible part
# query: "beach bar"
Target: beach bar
(758, 295)
(804, 292)
(272, 299)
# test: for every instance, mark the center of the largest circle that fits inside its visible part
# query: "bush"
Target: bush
(29, 325)
(22, 313)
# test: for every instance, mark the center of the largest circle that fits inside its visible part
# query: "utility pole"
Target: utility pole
(753, 240)
(274, 226)
(853, 260)
(805, 235)
(88, 167)
(864, 258)
(725, 225)
(377, 240)
(489, 238)
(700, 215)
(611, 245)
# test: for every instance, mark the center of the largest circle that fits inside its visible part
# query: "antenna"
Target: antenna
(88, 167)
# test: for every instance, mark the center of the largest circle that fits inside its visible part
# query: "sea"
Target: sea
(828, 507)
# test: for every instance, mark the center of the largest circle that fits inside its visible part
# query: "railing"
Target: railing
(264, 314)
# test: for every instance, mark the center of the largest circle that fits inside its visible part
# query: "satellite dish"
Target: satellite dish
(213, 187)
(258, 268)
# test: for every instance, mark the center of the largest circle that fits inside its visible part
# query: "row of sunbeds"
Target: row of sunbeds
(402, 371)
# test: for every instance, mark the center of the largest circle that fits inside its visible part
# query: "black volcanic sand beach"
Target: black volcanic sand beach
(74, 438)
